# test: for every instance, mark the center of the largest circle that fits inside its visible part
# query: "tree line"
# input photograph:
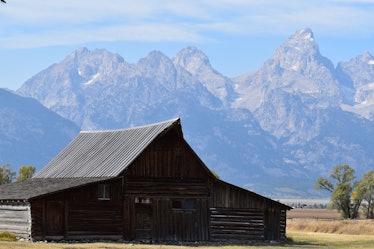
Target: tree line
(349, 196)
(9, 176)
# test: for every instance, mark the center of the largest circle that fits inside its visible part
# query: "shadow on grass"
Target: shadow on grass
(289, 243)
(301, 244)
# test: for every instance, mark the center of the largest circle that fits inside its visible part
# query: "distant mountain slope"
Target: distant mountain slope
(30, 134)
(273, 130)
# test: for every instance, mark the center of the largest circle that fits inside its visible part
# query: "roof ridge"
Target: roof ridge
(132, 128)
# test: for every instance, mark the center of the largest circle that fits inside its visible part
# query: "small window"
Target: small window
(176, 204)
(189, 204)
(143, 200)
(104, 192)
(183, 205)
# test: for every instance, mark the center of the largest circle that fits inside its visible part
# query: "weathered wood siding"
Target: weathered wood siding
(16, 218)
(282, 225)
(238, 214)
(181, 224)
(79, 214)
(230, 224)
(167, 171)
(229, 196)
(157, 220)
(94, 219)
(169, 158)
(165, 187)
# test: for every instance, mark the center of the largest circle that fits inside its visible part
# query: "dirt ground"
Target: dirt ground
(310, 213)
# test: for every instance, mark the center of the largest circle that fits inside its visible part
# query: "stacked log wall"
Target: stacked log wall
(238, 214)
(231, 224)
(16, 219)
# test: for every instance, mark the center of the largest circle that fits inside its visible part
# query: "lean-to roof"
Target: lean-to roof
(35, 187)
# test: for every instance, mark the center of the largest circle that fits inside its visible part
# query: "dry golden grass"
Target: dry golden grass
(353, 227)
(326, 221)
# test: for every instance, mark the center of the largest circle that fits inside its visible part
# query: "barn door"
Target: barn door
(54, 218)
(143, 221)
(272, 224)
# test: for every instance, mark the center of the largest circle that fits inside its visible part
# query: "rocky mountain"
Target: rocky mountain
(30, 134)
(197, 63)
(273, 130)
(104, 95)
(299, 97)
(99, 90)
(358, 84)
(291, 89)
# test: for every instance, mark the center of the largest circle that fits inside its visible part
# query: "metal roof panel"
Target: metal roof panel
(103, 153)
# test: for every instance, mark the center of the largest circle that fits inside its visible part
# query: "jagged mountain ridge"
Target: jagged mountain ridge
(358, 83)
(298, 96)
(77, 89)
(291, 87)
(30, 134)
(149, 91)
(280, 122)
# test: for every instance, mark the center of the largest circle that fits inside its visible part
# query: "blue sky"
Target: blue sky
(237, 35)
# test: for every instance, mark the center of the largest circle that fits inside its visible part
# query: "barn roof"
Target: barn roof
(92, 156)
(35, 187)
(104, 153)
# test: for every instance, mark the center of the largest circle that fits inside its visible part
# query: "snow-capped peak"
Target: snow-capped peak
(306, 34)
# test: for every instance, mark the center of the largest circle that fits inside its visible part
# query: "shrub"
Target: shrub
(7, 236)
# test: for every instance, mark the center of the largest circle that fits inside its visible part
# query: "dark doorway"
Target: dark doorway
(54, 218)
(272, 224)
(143, 223)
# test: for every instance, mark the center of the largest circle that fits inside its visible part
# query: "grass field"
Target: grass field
(330, 240)
(349, 227)
(302, 240)
(326, 221)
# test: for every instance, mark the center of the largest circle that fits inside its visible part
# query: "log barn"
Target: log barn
(138, 184)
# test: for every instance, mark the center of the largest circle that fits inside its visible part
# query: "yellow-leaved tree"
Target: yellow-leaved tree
(25, 172)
